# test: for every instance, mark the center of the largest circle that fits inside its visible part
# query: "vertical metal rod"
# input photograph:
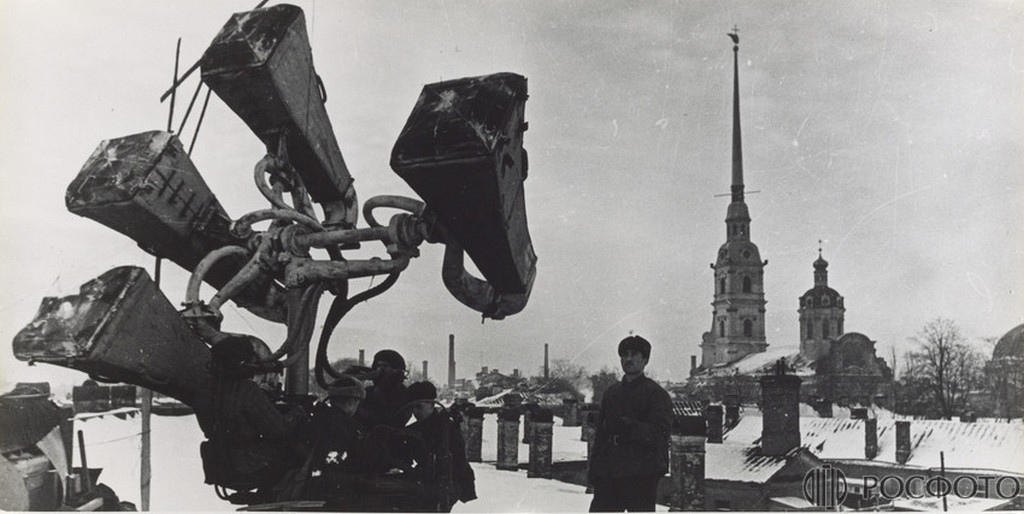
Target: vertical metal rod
(86, 478)
(174, 92)
(191, 103)
(202, 114)
(146, 409)
(942, 471)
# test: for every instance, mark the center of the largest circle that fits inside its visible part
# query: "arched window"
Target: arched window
(746, 284)
(748, 328)
(824, 300)
(721, 327)
(824, 329)
(810, 329)
(721, 285)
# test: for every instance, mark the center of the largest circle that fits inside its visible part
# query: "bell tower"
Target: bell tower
(737, 324)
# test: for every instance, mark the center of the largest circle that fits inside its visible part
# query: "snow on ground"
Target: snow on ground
(565, 442)
(511, 491)
(177, 474)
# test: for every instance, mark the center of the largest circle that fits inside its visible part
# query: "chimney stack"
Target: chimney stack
(780, 403)
(713, 415)
(362, 357)
(732, 410)
(545, 361)
(870, 438)
(693, 365)
(425, 375)
(902, 442)
(515, 372)
(451, 360)
(686, 461)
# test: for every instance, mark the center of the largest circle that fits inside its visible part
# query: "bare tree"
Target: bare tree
(601, 381)
(943, 366)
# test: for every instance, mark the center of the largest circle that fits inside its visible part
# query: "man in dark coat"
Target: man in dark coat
(632, 437)
(251, 443)
(337, 454)
(440, 451)
(387, 396)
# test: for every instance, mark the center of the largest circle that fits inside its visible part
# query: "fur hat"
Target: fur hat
(422, 391)
(635, 344)
(346, 387)
(391, 357)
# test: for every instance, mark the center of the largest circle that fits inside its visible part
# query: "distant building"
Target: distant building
(836, 367)
(1005, 374)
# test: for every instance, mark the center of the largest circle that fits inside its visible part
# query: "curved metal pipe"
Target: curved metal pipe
(259, 171)
(339, 308)
(306, 271)
(340, 237)
(475, 293)
(243, 226)
(196, 280)
(250, 272)
(392, 201)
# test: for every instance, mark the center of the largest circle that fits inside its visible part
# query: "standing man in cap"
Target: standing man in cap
(632, 438)
(441, 459)
(388, 394)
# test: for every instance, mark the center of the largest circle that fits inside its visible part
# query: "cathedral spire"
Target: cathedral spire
(737, 147)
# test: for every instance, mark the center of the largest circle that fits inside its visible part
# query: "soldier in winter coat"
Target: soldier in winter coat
(631, 442)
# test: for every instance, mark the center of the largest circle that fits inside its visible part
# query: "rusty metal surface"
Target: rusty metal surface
(146, 187)
(119, 327)
(261, 65)
(462, 151)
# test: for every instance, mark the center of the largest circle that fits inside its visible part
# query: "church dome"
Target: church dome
(820, 264)
(1011, 344)
(739, 251)
(821, 296)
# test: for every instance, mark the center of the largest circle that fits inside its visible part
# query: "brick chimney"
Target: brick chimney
(686, 457)
(362, 357)
(732, 410)
(870, 438)
(541, 423)
(425, 375)
(780, 405)
(902, 442)
(693, 365)
(713, 415)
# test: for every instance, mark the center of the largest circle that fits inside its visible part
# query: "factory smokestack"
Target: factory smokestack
(426, 377)
(545, 361)
(451, 360)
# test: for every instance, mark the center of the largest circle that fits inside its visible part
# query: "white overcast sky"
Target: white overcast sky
(891, 130)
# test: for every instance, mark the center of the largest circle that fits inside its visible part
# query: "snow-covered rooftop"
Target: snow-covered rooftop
(756, 362)
(991, 446)
(739, 463)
